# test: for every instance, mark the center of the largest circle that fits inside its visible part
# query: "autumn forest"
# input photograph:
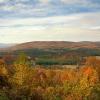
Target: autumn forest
(21, 79)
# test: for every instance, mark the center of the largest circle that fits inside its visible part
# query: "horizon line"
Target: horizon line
(46, 41)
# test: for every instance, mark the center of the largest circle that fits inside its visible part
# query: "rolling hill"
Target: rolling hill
(54, 52)
(54, 45)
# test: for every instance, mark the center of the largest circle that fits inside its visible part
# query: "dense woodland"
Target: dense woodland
(21, 80)
(54, 56)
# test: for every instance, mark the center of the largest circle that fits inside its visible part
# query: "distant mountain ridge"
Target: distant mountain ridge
(4, 45)
(53, 44)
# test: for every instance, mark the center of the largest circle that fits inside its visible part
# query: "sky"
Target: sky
(49, 20)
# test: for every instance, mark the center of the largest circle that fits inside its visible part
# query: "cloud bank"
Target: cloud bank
(53, 20)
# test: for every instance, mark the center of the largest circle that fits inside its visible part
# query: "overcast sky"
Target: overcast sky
(49, 20)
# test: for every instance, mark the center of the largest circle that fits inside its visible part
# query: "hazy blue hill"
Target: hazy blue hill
(3, 45)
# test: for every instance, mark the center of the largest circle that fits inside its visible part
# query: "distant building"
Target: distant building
(31, 61)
